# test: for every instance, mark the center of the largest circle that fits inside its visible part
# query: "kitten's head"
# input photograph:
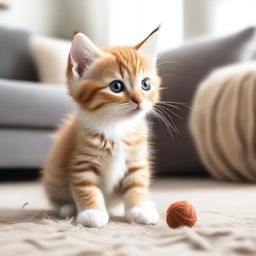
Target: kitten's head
(116, 83)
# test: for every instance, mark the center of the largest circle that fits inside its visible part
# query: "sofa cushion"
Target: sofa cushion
(51, 58)
(16, 59)
(32, 105)
(30, 151)
(181, 71)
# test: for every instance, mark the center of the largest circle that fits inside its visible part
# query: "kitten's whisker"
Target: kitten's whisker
(176, 105)
(167, 122)
(175, 114)
(127, 108)
(160, 118)
(173, 125)
(120, 108)
(176, 102)
(168, 105)
(172, 112)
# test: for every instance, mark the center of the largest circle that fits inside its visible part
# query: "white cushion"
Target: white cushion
(51, 56)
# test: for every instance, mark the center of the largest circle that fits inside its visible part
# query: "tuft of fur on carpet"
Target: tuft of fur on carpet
(226, 225)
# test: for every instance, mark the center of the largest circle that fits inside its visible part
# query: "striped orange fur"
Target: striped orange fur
(101, 152)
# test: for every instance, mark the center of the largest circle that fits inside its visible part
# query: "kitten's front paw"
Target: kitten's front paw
(142, 215)
(93, 218)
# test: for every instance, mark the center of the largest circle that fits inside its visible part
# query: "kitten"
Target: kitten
(100, 158)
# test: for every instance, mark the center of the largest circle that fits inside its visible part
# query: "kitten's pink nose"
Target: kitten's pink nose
(137, 99)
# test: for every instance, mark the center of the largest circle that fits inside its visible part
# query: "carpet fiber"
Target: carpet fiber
(226, 223)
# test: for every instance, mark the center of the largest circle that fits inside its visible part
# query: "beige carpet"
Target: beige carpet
(226, 226)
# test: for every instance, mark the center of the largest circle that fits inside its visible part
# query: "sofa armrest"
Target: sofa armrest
(32, 105)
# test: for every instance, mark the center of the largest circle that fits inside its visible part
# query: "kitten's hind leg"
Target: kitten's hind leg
(67, 211)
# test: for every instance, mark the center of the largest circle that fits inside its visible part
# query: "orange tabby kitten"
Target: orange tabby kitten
(100, 158)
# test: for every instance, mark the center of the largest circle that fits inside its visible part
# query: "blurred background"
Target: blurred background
(121, 22)
(197, 36)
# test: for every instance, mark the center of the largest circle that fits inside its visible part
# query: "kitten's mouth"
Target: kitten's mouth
(135, 111)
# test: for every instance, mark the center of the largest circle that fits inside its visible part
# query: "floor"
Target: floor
(226, 223)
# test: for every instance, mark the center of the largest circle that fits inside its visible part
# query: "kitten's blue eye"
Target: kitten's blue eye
(145, 84)
(116, 86)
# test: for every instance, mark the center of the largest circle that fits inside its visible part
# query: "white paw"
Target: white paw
(93, 218)
(67, 210)
(142, 215)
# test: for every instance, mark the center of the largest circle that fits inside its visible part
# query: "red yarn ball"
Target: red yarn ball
(181, 214)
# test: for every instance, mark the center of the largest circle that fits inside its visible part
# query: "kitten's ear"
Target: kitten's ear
(148, 47)
(82, 54)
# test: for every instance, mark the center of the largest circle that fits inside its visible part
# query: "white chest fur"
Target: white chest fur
(114, 169)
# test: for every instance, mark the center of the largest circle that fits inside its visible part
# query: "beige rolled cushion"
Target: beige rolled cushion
(223, 122)
(51, 58)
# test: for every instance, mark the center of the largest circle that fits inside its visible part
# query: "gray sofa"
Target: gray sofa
(30, 111)
(29, 114)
